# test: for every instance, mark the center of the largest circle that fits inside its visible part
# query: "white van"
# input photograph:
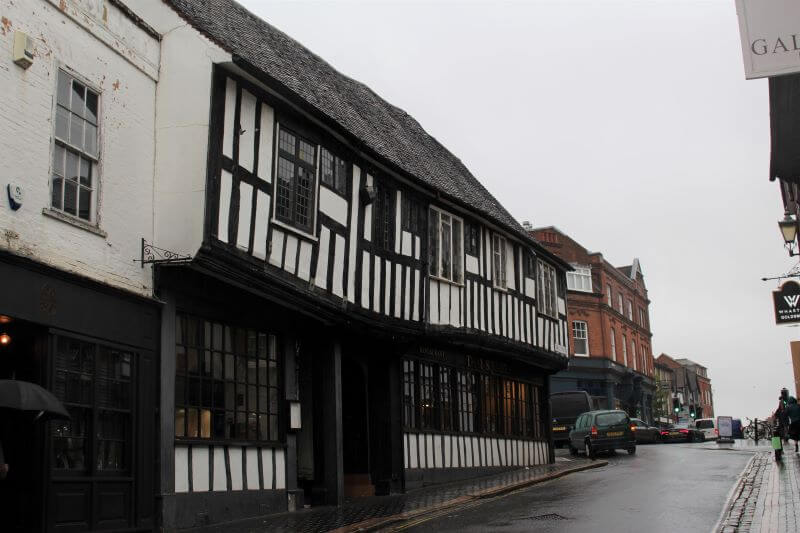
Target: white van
(708, 426)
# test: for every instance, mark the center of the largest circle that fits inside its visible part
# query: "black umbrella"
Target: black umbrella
(30, 397)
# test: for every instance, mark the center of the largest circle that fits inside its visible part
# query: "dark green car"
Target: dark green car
(598, 431)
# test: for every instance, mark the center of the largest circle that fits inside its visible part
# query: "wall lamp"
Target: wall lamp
(788, 228)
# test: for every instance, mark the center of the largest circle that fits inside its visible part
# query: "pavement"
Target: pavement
(379, 512)
(767, 497)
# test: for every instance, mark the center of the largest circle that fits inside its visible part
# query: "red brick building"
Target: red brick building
(691, 387)
(609, 320)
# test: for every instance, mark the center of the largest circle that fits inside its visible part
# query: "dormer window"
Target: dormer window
(580, 279)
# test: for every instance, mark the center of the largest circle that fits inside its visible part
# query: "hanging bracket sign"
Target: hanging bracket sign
(787, 303)
(770, 34)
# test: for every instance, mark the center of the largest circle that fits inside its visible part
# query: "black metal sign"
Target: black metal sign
(787, 303)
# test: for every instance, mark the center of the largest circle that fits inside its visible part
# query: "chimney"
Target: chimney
(527, 225)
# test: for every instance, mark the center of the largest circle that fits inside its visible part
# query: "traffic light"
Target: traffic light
(691, 412)
(676, 405)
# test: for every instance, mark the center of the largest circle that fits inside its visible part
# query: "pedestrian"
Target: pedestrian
(793, 415)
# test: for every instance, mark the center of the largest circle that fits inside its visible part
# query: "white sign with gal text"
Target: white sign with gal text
(770, 33)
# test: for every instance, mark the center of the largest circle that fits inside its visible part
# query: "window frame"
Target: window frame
(580, 326)
(610, 296)
(336, 186)
(471, 229)
(234, 356)
(621, 303)
(625, 349)
(614, 344)
(630, 310)
(435, 256)
(499, 262)
(579, 276)
(290, 222)
(547, 278)
(384, 216)
(80, 152)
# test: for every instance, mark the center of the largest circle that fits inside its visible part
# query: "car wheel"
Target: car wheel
(590, 453)
(632, 450)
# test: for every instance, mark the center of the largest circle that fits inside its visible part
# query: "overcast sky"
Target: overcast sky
(627, 124)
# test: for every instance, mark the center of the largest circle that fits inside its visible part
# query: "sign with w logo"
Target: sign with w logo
(787, 300)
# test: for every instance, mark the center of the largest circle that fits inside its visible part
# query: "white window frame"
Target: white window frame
(65, 144)
(614, 345)
(547, 289)
(436, 268)
(610, 299)
(619, 301)
(579, 327)
(630, 311)
(499, 262)
(580, 279)
(633, 354)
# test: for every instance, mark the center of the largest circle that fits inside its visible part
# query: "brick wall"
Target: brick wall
(604, 320)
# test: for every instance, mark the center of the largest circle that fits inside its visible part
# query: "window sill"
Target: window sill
(445, 280)
(74, 221)
(292, 229)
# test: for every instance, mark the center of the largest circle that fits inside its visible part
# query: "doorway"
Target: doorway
(355, 430)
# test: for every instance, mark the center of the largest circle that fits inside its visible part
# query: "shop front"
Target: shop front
(95, 348)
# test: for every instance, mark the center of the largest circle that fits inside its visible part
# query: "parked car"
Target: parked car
(565, 408)
(708, 426)
(644, 433)
(681, 432)
(598, 431)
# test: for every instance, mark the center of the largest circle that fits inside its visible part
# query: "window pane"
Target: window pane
(71, 170)
(192, 426)
(78, 95)
(285, 186)
(446, 248)
(62, 123)
(90, 144)
(180, 422)
(303, 197)
(287, 141)
(91, 107)
(433, 242)
(76, 131)
(341, 176)
(58, 159)
(306, 152)
(85, 203)
(205, 424)
(70, 197)
(64, 89)
(327, 169)
(457, 255)
(58, 184)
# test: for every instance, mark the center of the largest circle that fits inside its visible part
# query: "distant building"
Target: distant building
(691, 387)
(662, 403)
(609, 321)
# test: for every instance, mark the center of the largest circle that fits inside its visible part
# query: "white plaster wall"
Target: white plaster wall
(127, 111)
(181, 128)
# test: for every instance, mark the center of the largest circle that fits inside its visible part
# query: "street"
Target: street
(662, 488)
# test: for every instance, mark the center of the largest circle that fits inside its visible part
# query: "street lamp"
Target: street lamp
(788, 228)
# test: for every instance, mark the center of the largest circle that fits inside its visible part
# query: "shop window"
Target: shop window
(467, 400)
(446, 398)
(95, 384)
(409, 394)
(491, 405)
(427, 397)
(227, 384)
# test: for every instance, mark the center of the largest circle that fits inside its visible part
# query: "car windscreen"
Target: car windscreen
(704, 424)
(610, 419)
(568, 405)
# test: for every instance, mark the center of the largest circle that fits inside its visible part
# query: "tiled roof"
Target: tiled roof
(388, 131)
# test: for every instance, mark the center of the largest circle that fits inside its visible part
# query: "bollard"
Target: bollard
(756, 432)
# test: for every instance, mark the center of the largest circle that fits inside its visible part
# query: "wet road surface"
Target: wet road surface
(666, 487)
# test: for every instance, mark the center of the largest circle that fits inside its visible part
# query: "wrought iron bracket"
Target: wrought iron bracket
(793, 273)
(152, 254)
